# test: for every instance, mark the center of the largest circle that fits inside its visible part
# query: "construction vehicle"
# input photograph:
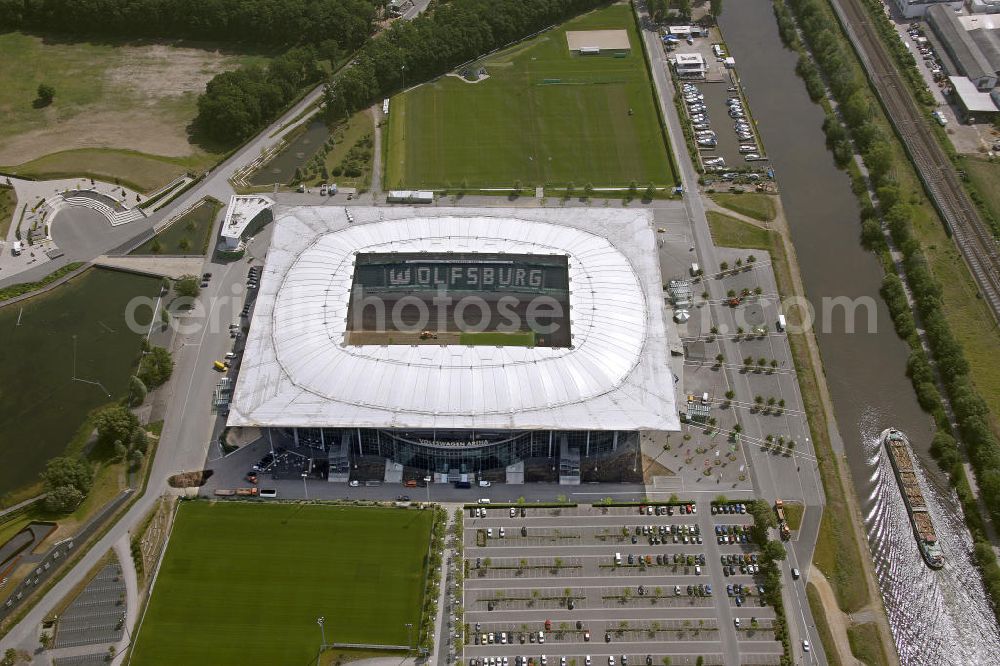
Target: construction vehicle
(779, 508)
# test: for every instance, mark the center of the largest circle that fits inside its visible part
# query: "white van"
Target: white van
(781, 322)
(16, 248)
(695, 270)
(618, 559)
(269, 493)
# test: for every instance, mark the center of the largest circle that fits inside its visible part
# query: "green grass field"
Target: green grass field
(758, 206)
(244, 583)
(730, 232)
(185, 235)
(492, 338)
(597, 124)
(41, 406)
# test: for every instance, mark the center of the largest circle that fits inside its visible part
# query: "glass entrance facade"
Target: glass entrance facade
(469, 451)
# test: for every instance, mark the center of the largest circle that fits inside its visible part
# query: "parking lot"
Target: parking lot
(605, 585)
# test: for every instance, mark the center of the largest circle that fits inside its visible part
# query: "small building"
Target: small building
(385, 106)
(961, 47)
(593, 42)
(916, 8)
(730, 62)
(690, 66)
(975, 106)
(410, 196)
(242, 210)
(680, 293)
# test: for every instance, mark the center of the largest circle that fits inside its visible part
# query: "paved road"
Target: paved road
(765, 481)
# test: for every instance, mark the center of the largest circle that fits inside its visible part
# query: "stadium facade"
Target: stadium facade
(452, 341)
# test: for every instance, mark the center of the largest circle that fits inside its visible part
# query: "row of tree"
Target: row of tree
(434, 43)
(951, 366)
(257, 22)
(239, 103)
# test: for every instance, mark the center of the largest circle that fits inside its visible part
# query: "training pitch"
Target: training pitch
(245, 582)
(544, 117)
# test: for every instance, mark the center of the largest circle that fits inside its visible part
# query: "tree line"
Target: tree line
(835, 64)
(265, 22)
(434, 43)
(239, 103)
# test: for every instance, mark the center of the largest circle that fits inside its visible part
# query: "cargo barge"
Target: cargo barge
(897, 447)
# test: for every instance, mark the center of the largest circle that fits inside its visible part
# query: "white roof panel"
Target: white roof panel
(297, 371)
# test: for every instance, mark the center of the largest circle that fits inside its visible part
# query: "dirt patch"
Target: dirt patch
(190, 479)
(141, 97)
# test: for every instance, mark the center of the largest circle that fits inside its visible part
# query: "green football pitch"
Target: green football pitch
(243, 583)
(545, 117)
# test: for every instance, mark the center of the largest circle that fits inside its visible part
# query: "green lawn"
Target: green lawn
(758, 206)
(492, 338)
(543, 117)
(984, 176)
(138, 171)
(188, 234)
(822, 626)
(41, 406)
(730, 232)
(793, 514)
(865, 644)
(244, 582)
(8, 206)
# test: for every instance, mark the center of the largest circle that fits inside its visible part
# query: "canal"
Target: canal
(938, 617)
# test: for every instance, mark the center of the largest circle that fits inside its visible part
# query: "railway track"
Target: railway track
(973, 237)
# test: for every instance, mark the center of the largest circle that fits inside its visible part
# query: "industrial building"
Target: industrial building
(417, 395)
(962, 49)
(917, 8)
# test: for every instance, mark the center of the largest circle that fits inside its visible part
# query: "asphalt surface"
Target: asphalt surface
(770, 477)
(528, 586)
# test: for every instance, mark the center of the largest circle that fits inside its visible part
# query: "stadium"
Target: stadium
(461, 344)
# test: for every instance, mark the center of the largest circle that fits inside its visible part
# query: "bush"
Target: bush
(115, 424)
(156, 367)
(187, 286)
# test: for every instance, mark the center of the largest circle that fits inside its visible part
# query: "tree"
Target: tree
(684, 9)
(715, 8)
(136, 391)
(650, 192)
(135, 459)
(46, 94)
(719, 358)
(184, 244)
(773, 550)
(115, 424)
(187, 285)
(66, 471)
(120, 451)
(63, 499)
(156, 367)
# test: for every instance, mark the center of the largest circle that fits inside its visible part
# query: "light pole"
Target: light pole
(409, 635)
(427, 484)
(402, 73)
(322, 630)
(305, 488)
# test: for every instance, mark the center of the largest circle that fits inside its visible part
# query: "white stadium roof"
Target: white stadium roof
(296, 371)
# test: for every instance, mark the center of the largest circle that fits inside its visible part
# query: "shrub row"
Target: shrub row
(830, 50)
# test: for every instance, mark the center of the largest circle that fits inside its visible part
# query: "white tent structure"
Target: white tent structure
(298, 372)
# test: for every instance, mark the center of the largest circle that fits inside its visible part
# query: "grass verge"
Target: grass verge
(188, 234)
(727, 231)
(135, 170)
(758, 206)
(8, 206)
(825, 637)
(793, 514)
(15, 290)
(863, 638)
